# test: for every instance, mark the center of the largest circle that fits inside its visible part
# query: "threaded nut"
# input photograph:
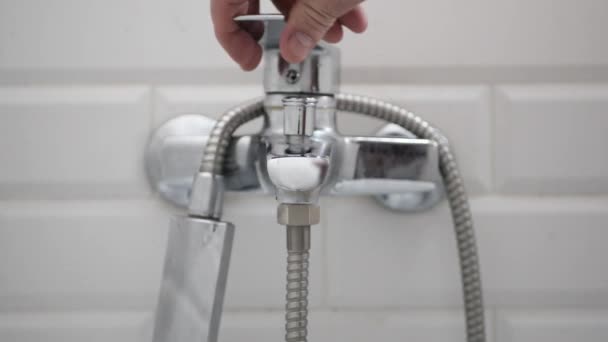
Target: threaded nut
(298, 214)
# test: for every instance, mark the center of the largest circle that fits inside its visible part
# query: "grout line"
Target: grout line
(492, 112)
(494, 324)
(152, 107)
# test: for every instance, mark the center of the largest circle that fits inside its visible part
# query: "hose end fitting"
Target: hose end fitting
(207, 197)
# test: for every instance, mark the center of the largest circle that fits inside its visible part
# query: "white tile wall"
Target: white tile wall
(136, 35)
(533, 251)
(551, 139)
(75, 327)
(63, 255)
(211, 101)
(552, 326)
(419, 325)
(426, 325)
(82, 236)
(73, 142)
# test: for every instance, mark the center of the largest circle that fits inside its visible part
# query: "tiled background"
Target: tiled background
(520, 87)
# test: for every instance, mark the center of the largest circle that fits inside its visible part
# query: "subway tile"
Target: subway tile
(210, 101)
(252, 326)
(533, 251)
(553, 325)
(81, 255)
(543, 251)
(163, 36)
(550, 139)
(109, 254)
(75, 327)
(325, 326)
(462, 113)
(73, 142)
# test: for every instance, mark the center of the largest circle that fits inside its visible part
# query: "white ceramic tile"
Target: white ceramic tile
(259, 260)
(550, 139)
(252, 326)
(73, 142)
(328, 326)
(210, 101)
(552, 326)
(533, 252)
(110, 254)
(123, 35)
(81, 255)
(74, 327)
(544, 251)
(462, 113)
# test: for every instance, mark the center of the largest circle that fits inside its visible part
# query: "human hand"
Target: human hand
(308, 21)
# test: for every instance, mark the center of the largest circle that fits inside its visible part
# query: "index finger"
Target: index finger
(237, 42)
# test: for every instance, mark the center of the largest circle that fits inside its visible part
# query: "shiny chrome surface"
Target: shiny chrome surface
(296, 307)
(300, 153)
(318, 74)
(194, 280)
(297, 165)
(175, 150)
(207, 196)
(402, 173)
(297, 219)
(299, 115)
(400, 170)
(173, 154)
(298, 214)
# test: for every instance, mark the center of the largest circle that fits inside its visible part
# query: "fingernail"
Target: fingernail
(300, 44)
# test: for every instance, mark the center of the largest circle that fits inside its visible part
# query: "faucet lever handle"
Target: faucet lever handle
(273, 26)
(317, 74)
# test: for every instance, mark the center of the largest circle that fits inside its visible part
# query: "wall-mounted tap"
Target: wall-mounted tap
(298, 156)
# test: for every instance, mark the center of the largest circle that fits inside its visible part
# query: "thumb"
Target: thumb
(307, 23)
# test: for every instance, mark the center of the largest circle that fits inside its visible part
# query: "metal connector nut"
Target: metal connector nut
(298, 214)
(207, 196)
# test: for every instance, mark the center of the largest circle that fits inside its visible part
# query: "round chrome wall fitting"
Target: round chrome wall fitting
(173, 156)
(419, 198)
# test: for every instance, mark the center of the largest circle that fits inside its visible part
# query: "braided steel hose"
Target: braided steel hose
(213, 160)
(457, 198)
(219, 138)
(296, 309)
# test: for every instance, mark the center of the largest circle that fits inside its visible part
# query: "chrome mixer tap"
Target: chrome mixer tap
(299, 156)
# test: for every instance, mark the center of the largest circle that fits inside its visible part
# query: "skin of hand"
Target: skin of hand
(308, 21)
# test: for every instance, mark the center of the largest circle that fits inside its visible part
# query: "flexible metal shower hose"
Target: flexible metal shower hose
(457, 198)
(219, 139)
(296, 307)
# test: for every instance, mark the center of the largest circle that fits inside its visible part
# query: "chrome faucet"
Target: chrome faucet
(299, 156)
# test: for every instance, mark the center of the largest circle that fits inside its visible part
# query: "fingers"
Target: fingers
(334, 34)
(310, 20)
(238, 43)
(355, 20)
